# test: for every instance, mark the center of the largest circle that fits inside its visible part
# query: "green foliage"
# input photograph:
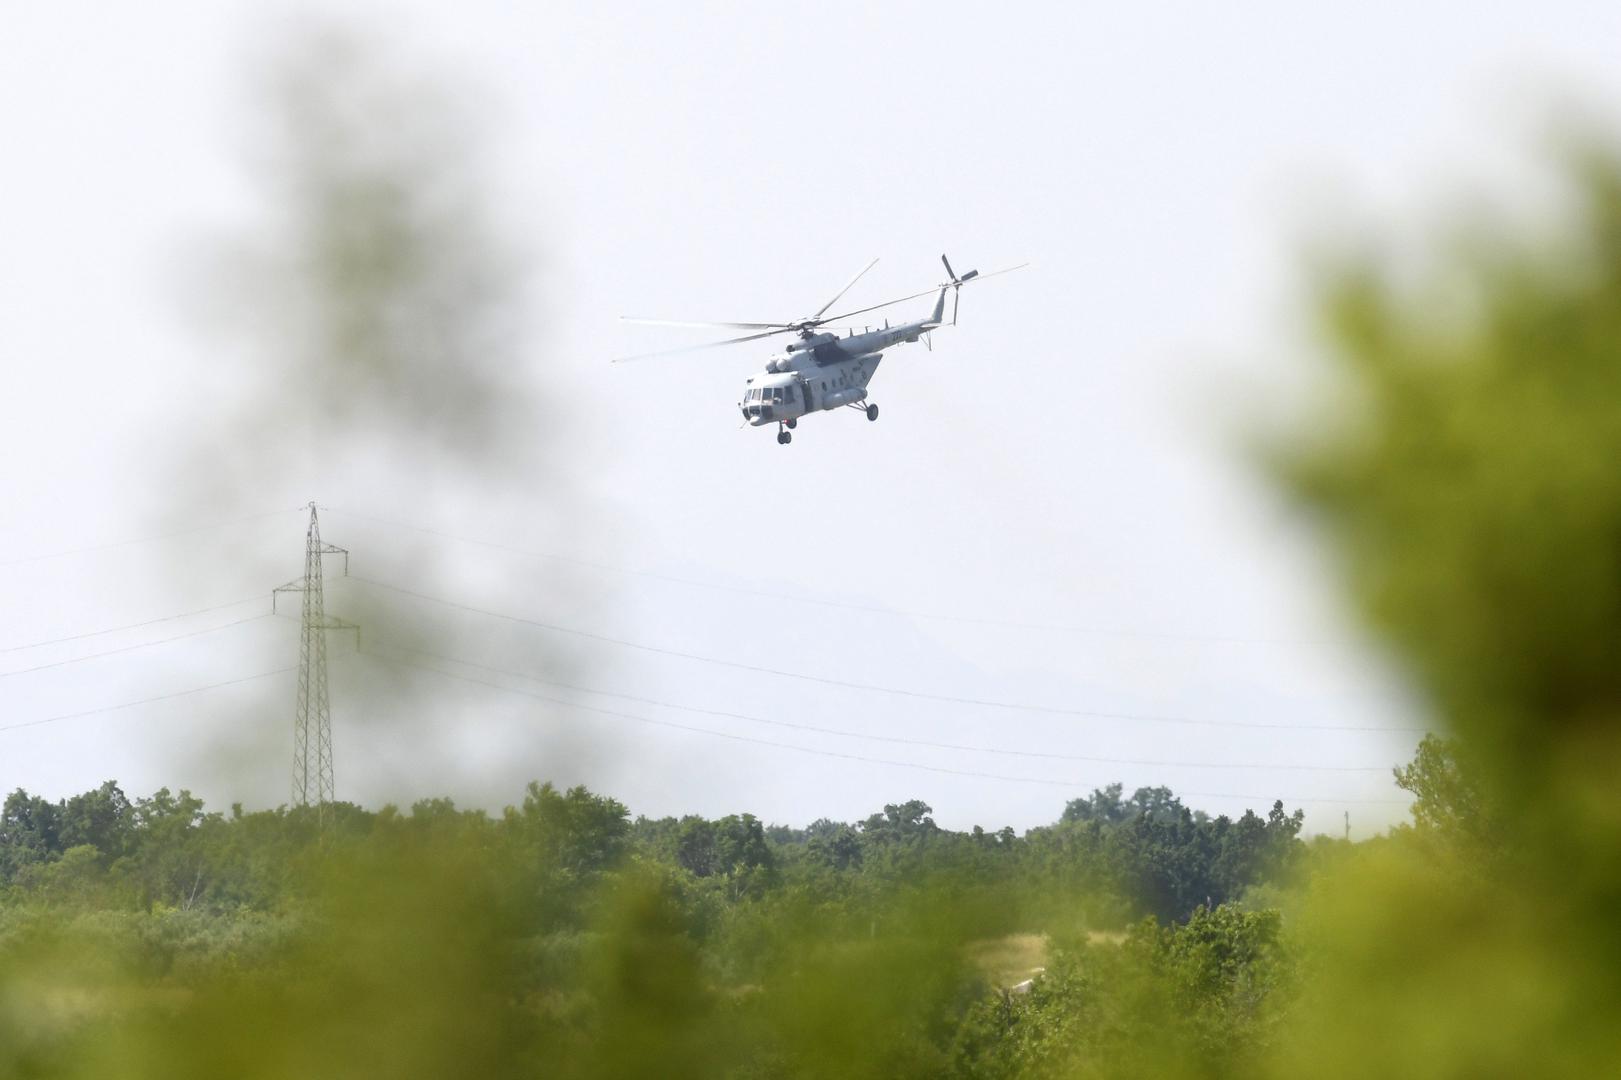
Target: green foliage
(1467, 481)
(556, 936)
(1166, 859)
(1200, 999)
(1472, 496)
(1447, 793)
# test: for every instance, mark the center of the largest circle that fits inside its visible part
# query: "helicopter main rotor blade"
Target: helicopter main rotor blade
(886, 303)
(705, 345)
(859, 275)
(973, 275)
(724, 325)
(950, 273)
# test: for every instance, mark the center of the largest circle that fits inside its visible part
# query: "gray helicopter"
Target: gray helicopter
(823, 371)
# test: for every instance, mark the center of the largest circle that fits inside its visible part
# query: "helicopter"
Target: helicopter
(823, 371)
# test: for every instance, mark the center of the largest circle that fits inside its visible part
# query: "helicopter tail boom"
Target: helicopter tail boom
(939, 307)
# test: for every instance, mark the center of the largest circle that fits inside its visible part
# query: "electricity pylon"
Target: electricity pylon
(312, 781)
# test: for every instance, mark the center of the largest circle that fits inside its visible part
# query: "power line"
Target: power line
(143, 701)
(844, 733)
(847, 605)
(145, 539)
(132, 648)
(874, 687)
(129, 626)
(1068, 785)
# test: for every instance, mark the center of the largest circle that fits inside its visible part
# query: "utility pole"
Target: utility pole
(312, 780)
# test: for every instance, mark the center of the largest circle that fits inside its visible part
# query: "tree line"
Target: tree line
(1148, 854)
(837, 948)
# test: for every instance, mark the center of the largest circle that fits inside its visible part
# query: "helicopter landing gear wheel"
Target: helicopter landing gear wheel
(872, 412)
(785, 436)
(792, 423)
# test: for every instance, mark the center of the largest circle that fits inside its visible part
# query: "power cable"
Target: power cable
(129, 626)
(873, 609)
(144, 701)
(1068, 785)
(132, 648)
(901, 740)
(874, 687)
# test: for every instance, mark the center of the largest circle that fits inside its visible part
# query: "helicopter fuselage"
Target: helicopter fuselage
(823, 371)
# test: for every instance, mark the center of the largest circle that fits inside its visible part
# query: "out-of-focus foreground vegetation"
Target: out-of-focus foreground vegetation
(145, 937)
(1468, 483)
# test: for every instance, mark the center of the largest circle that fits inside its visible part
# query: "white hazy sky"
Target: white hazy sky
(1065, 458)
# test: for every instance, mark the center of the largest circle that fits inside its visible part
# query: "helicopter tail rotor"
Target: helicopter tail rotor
(956, 286)
(956, 283)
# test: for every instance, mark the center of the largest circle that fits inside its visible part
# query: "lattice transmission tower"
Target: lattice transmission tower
(312, 749)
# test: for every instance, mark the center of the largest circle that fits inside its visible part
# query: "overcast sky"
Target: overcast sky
(1053, 513)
